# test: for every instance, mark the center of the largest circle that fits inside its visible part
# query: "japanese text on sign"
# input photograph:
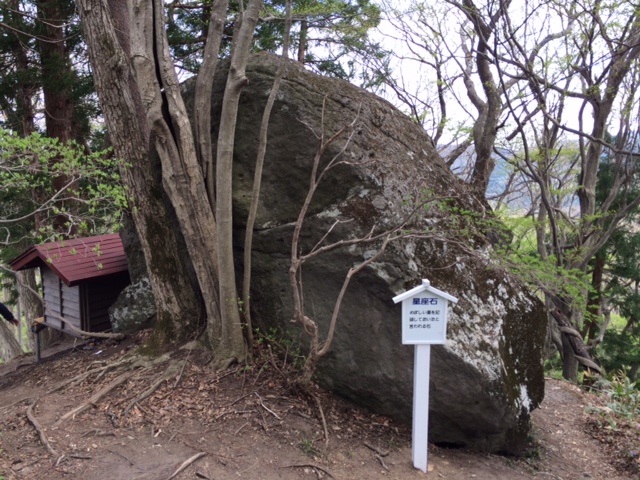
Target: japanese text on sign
(423, 317)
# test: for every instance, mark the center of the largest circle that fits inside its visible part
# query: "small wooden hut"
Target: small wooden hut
(81, 279)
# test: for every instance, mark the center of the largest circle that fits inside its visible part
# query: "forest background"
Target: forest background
(534, 104)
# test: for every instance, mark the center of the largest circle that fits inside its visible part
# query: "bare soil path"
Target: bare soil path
(245, 423)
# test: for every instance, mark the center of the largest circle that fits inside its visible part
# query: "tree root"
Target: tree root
(96, 397)
(43, 436)
(168, 373)
(100, 371)
(186, 463)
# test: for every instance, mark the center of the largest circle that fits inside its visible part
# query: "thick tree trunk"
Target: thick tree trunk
(56, 86)
(25, 115)
(55, 70)
(184, 182)
(144, 103)
(178, 305)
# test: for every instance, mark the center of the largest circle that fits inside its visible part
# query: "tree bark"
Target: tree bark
(27, 288)
(177, 303)
(56, 86)
(257, 179)
(485, 126)
(204, 88)
(9, 346)
(236, 80)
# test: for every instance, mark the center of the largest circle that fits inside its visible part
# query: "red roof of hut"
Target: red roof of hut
(77, 260)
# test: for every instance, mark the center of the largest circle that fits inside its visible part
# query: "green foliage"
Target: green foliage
(308, 448)
(276, 342)
(623, 399)
(91, 198)
(620, 349)
(24, 62)
(330, 34)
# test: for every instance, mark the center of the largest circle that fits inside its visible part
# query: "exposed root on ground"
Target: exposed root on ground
(126, 360)
(131, 365)
(43, 436)
(96, 397)
(169, 372)
(186, 463)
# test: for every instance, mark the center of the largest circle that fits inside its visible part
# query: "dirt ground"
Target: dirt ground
(244, 423)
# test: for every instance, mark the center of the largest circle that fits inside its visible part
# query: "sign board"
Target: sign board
(424, 315)
(424, 323)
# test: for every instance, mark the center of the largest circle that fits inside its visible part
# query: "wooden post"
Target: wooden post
(420, 430)
(424, 323)
(37, 332)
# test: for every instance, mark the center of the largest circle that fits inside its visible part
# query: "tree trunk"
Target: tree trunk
(485, 127)
(574, 350)
(24, 123)
(203, 94)
(143, 104)
(184, 183)
(591, 325)
(32, 306)
(177, 303)
(302, 42)
(236, 80)
(56, 86)
(9, 347)
(569, 362)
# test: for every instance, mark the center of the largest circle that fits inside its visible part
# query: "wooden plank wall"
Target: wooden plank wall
(60, 300)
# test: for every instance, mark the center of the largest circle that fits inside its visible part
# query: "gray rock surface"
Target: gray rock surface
(489, 376)
(134, 309)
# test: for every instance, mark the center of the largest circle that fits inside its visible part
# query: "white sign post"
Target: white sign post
(424, 323)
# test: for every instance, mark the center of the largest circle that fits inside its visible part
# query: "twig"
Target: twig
(43, 436)
(324, 421)
(239, 398)
(238, 430)
(186, 463)
(377, 450)
(121, 455)
(267, 409)
(382, 462)
(144, 410)
(310, 465)
(98, 433)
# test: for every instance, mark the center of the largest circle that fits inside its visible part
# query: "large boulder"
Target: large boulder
(488, 377)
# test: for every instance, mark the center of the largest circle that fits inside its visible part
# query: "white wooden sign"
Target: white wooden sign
(424, 323)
